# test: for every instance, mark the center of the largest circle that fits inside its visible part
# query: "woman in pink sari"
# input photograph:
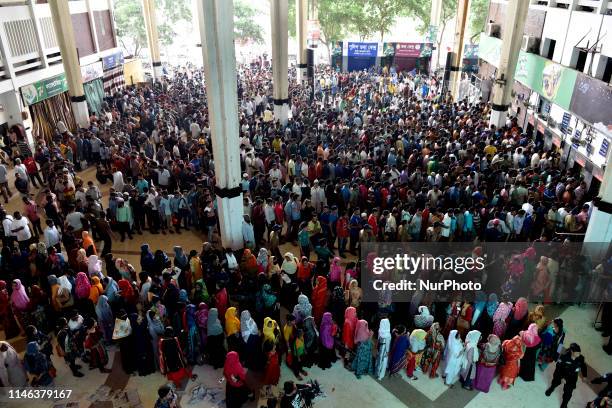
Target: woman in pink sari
(20, 303)
(499, 319)
(487, 366)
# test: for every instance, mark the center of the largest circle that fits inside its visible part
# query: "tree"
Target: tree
(245, 27)
(129, 22)
(479, 11)
(379, 15)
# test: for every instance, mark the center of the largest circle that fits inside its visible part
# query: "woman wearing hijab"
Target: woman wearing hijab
(12, 372)
(519, 317)
(531, 340)
(424, 319)
(172, 362)
(337, 305)
(181, 261)
(192, 331)
(434, 350)
(384, 345)
(311, 342)
(82, 260)
(94, 266)
(327, 332)
(106, 320)
(156, 329)
(355, 294)
(398, 350)
(7, 317)
(96, 290)
(289, 265)
(319, 298)
(251, 342)
(302, 309)
(415, 352)
(470, 359)
(348, 330)
(452, 358)
(201, 317)
(94, 347)
(513, 352)
(271, 330)
(552, 343)
(147, 259)
(20, 304)
(538, 317)
(200, 292)
(37, 366)
(236, 391)
(487, 366)
(362, 363)
(465, 318)
(232, 329)
(499, 319)
(123, 333)
(480, 304)
(272, 369)
(88, 244)
(141, 337)
(484, 323)
(336, 275)
(82, 291)
(215, 341)
(221, 300)
(248, 265)
(263, 261)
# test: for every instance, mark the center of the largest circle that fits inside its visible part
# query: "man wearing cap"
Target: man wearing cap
(568, 367)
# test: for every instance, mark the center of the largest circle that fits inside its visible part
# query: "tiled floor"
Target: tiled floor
(341, 387)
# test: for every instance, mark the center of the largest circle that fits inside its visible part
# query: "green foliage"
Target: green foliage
(479, 10)
(378, 16)
(245, 28)
(130, 25)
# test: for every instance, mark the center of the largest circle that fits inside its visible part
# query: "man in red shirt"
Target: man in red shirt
(373, 221)
(342, 231)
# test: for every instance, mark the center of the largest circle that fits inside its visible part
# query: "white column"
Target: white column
(60, 13)
(148, 12)
(512, 36)
(216, 19)
(280, 37)
(92, 23)
(460, 25)
(37, 33)
(434, 21)
(301, 14)
(599, 230)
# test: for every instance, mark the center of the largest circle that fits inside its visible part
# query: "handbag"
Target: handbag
(122, 329)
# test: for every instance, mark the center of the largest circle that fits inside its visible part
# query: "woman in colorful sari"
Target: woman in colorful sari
(470, 359)
(327, 332)
(499, 319)
(348, 329)
(20, 304)
(513, 352)
(480, 303)
(311, 341)
(37, 366)
(82, 262)
(94, 347)
(424, 319)
(82, 291)
(88, 244)
(398, 350)
(106, 320)
(232, 329)
(251, 342)
(362, 363)
(236, 391)
(94, 266)
(202, 321)
(538, 317)
(296, 352)
(96, 290)
(302, 309)
(415, 353)
(336, 275)
(384, 345)
(263, 261)
(7, 317)
(487, 366)
(193, 352)
(248, 265)
(552, 343)
(355, 294)
(215, 341)
(531, 340)
(434, 350)
(452, 358)
(200, 292)
(519, 317)
(172, 362)
(464, 319)
(319, 298)
(271, 331)
(452, 313)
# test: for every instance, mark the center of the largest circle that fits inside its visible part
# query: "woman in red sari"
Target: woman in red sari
(319, 299)
(513, 352)
(272, 371)
(348, 329)
(236, 391)
(172, 360)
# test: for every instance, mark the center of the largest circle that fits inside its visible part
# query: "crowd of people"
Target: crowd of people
(365, 157)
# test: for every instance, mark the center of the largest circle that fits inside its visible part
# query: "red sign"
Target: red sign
(580, 159)
(408, 49)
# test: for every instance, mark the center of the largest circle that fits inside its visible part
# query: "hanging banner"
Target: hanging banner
(314, 31)
(41, 90)
(413, 50)
(470, 51)
(112, 61)
(92, 71)
(359, 49)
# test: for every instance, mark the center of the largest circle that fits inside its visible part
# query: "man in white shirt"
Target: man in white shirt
(52, 236)
(8, 237)
(20, 169)
(21, 228)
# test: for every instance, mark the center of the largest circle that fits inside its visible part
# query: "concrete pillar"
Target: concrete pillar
(434, 21)
(280, 59)
(216, 19)
(457, 55)
(60, 13)
(301, 14)
(512, 36)
(92, 23)
(148, 11)
(37, 33)
(599, 231)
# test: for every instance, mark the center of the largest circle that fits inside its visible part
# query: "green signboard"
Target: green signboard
(549, 79)
(41, 90)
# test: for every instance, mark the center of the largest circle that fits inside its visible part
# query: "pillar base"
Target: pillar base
(231, 212)
(599, 231)
(158, 71)
(281, 113)
(80, 111)
(498, 117)
(302, 75)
